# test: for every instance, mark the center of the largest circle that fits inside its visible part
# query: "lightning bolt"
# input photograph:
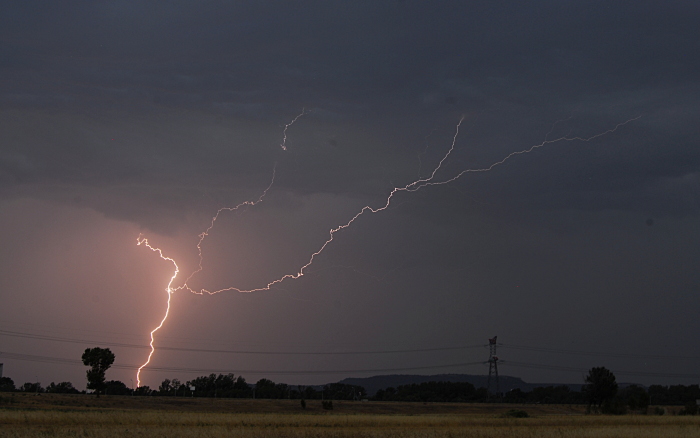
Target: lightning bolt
(283, 145)
(169, 290)
(416, 185)
(410, 187)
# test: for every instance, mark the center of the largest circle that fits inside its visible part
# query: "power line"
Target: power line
(74, 362)
(48, 359)
(58, 360)
(355, 352)
(597, 354)
(203, 350)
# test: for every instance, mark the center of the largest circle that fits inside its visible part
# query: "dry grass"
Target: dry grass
(20, 420)
(185, 404)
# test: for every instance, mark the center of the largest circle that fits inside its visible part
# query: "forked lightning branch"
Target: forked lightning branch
(413, 186)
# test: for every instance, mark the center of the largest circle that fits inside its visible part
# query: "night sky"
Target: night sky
(128, 118)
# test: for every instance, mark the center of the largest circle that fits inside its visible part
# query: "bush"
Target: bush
(659, 411)
(7, 384)
(327, 405)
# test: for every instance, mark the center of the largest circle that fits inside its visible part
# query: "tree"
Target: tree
(99, 360)
(600, 386)
(170, 387)
(165, 387)
(265, 388)
(31, 387)
(62, 388)
(117, 387)
(637, 398)
(7, 384)
(240, 383)
(143, 390)
(175, 384)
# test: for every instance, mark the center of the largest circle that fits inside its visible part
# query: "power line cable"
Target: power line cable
(355, 352)
(58, 360)
(203, 350)
(593, 353)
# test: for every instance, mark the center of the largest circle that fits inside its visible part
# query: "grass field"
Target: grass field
(25, 415)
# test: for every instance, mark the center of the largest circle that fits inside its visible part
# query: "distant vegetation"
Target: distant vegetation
(632, 398)
(600, 392)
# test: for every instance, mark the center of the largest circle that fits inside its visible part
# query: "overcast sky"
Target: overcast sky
(124, 118)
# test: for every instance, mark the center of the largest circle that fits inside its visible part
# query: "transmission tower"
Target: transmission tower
(493, 370)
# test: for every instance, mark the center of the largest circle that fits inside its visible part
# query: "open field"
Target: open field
(232, 405)
(79, 415)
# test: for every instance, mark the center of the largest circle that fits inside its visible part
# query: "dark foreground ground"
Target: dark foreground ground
(56, 415)
(187, 404)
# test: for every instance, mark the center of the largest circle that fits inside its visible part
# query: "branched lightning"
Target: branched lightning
(205, 233)
(428, 181)
(283, 145)
(410, 187)
(300, 273)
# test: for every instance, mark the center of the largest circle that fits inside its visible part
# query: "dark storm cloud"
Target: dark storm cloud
(381, 65)
(195, 53)
(78, 73)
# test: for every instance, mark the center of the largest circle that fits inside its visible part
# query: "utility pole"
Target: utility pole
(493, 370)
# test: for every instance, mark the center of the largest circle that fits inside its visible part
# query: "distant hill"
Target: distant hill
(507, 383)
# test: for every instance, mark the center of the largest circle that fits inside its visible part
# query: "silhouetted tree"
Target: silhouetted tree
(241, 388)
(31, 387)
(171, 387)
(7, 384)
(99, 360)
(561, 394)
(240, 383)
(62, 388)
(117, 387)
(636, 397)
(265, 388)
(311, 393)
(600, 386)
(427, 392)
(143, 390)
(674, 394)
(166, 387)
(223, 385)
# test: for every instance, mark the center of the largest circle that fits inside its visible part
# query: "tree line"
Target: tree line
(229, 386)
(213, 385)
(600, 392)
